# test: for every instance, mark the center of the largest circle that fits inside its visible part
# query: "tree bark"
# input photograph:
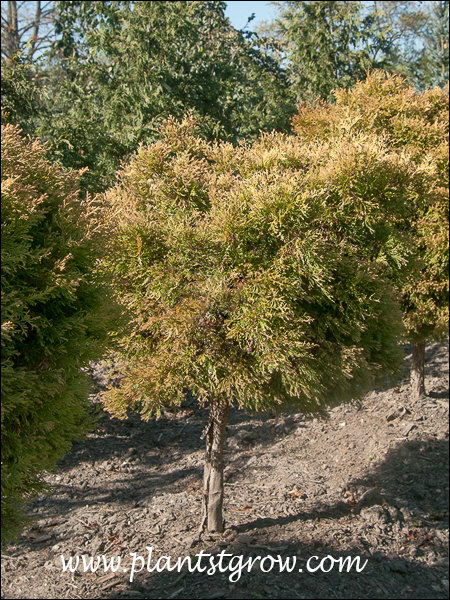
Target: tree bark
(418, 370)
(12, 30)
(213, 473)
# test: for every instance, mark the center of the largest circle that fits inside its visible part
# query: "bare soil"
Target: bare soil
(371, 480)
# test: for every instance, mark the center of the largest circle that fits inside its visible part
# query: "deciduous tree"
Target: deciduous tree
(27, 28)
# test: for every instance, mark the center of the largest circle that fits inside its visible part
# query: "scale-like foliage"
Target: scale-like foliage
(252, 274)
(51, 319)
(415, 124)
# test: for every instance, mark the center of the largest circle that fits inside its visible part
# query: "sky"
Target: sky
(238, 12)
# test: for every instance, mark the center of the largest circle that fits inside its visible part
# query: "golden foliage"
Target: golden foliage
(415, 125)
(254, 273)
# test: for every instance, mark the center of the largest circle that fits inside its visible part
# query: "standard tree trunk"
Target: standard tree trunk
(213, 474)
(418, 370)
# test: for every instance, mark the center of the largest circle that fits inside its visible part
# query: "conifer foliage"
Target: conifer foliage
(52, 319)
(249, 275)
(415, 125)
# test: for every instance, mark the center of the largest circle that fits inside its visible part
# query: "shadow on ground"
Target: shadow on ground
(413, 478)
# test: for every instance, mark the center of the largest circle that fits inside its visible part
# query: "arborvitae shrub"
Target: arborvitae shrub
(253, 276)
(415, 124)
(52, 318)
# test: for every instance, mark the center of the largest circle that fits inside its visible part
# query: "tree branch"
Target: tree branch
(36, 24)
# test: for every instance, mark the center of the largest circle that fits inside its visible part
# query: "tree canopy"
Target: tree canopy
(415, 124)
(331, 45)
(120, 68)
(255, 275)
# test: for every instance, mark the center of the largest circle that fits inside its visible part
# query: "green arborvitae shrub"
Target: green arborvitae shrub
(253, 275)
(414, 124)
(51, 320)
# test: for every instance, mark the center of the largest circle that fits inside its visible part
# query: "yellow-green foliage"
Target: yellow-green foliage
(50, 318)
(255, 274)
(414, 124)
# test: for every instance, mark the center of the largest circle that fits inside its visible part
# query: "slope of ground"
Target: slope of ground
(370, 481)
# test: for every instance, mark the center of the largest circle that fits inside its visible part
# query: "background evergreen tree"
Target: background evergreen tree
(331, 45)
(434, 60)
(326, 45)
(120, 68)
(20, 100)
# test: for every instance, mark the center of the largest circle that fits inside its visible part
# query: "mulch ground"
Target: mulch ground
(371, 481)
